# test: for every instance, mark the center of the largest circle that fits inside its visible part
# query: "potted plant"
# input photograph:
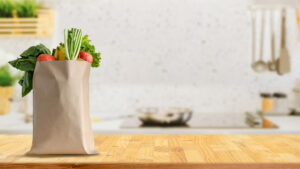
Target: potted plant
(22, 9)
(25, 18)
(7, 80)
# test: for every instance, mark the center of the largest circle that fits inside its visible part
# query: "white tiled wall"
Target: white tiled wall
(193, 53)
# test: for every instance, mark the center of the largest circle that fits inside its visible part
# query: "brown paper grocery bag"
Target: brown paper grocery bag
(61, 120)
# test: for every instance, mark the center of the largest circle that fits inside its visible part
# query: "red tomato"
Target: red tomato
(45, 57)
(85, 56)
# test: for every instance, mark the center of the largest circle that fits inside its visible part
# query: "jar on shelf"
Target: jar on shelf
(267, 103)
(280, 104)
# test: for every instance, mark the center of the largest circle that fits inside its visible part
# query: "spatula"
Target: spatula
(283, 62)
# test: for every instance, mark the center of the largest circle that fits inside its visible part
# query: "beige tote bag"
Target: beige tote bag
(61, 120)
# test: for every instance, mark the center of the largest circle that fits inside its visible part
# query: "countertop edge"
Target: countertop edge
(152, 165)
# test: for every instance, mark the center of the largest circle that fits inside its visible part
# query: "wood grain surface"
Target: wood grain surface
(164, 151)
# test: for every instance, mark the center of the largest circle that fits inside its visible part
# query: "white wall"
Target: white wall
(192, 53)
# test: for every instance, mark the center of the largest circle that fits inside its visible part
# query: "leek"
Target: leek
(72, 39)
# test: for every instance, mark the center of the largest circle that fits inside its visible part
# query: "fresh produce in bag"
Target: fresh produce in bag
(60, 83)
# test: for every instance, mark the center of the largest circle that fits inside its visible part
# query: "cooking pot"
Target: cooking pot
(173, 116)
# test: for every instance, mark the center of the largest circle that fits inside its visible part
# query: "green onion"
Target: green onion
(72, 39)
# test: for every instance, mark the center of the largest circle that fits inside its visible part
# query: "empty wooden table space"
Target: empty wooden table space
(163, 151)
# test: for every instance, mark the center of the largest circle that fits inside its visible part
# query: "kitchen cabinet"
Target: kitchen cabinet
(164, 151)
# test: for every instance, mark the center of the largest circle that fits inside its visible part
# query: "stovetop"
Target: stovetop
(207, 120)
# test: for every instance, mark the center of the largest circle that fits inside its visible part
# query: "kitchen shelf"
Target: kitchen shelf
(41, 26)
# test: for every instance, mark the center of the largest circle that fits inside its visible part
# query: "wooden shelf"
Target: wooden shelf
(41, 26)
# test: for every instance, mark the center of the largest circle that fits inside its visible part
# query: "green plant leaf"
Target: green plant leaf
(26, 8)
(21, 81)
(27, 83)
(6, 8)
(23, 8)
(24, 64)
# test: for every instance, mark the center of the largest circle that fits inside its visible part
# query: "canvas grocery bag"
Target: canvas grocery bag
(61, 120)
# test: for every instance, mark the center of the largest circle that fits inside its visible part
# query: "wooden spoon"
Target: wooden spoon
(283, 62)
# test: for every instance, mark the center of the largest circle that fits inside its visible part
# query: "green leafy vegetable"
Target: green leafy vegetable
(27, 83)
(6, 77)
(27, 63)
(72, 39)
(89, 48)
(24, 64)
(35, 51)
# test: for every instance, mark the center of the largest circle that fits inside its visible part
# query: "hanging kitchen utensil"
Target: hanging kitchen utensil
(283, 62)
(260, 66)
(253, 20)
(272, 63)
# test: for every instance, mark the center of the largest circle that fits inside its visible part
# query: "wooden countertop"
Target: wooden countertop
(164, 151)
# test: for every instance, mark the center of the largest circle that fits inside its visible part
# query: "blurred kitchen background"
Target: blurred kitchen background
(199, 56)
